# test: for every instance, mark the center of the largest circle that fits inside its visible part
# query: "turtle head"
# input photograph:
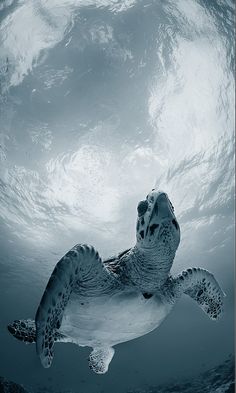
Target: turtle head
(156, 223)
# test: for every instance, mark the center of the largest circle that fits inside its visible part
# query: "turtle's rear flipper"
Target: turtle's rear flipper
(201, 286)
(100, 359)
(25, 330)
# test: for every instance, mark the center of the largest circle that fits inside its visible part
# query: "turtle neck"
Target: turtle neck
(146, 268)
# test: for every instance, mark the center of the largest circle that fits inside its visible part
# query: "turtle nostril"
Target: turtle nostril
(175, 223)
(142, 207)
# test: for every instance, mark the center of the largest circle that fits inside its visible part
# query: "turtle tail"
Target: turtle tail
(25, 330)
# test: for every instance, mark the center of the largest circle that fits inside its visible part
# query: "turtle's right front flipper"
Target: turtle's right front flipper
(202, 287)
(81, 265)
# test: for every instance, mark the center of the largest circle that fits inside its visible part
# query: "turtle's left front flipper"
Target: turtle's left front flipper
(80, 266)
(201, 286)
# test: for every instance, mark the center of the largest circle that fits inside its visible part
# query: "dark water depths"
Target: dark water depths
(100, 101)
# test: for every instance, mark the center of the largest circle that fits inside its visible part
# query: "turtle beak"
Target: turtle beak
(163, 207)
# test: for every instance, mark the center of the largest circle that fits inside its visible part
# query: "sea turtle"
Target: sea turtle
(99, 304)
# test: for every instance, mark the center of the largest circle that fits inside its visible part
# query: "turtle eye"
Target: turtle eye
(142, 207)
(175, 224)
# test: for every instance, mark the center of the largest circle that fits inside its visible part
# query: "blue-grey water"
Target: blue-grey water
(101, 100)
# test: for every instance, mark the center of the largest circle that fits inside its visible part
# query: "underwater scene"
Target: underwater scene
(117, 131)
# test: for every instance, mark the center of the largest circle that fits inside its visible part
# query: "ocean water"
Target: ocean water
(100, 102)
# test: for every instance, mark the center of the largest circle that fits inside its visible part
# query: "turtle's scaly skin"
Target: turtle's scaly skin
(99, 304)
